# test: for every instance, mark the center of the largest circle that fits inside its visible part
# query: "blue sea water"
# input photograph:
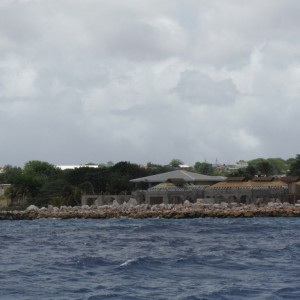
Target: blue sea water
(256, 258)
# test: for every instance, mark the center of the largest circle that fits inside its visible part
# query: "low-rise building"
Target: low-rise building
(260, 190)
(72, 167)
(174, 187)
(293, 183)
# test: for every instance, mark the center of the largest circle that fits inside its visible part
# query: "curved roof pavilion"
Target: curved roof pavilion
(180, 176)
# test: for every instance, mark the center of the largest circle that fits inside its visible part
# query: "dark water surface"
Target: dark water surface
(255, 258)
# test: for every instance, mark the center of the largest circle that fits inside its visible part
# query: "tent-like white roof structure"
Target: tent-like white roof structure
(179, 175)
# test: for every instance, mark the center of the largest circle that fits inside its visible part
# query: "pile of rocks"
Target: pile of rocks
(132, 210)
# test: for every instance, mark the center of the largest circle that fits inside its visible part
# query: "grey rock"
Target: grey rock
(32, 207)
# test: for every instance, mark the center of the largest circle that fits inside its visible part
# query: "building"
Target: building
(260, 190)
(241, 164)
(177, 186)
(293, 183)
(72, 167)
(174, 187)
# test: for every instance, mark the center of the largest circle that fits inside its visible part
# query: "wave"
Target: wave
(287, 293)
(144, 261)
(151, 259)
(82, 262)
(128, 262)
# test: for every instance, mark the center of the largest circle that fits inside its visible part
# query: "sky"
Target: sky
(149, 80)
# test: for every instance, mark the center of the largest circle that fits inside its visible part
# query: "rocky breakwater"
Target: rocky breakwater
(132, 210)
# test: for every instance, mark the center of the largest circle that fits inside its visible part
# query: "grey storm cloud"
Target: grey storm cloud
(201, 89)
(95, 81)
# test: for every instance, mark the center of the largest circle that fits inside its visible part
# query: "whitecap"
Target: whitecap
(127, 262)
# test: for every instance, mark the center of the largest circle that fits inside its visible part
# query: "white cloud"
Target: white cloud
(88, 80)
(246, 140)
(17, 79)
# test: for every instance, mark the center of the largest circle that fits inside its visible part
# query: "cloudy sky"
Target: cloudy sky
(149, 80)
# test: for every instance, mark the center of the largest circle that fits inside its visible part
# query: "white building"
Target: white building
(72, 167)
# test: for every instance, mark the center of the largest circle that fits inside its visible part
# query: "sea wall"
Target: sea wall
(186, 210)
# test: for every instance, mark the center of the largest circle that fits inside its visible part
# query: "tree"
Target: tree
(204, 168)
(120, 175)
(58, 192)
(289, 163)
(24, 187)
(119, 184)
(9, 174)
(175, 162)
(250, 171)
(279, 165)
(109, 164)
(40, 170)
(295, 166)
(265, 168)
(127, 168)
(153, 169)
(261, 166)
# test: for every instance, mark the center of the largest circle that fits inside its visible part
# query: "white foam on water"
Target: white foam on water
(127, 262)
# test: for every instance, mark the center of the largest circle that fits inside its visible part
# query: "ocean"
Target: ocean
(257, 258)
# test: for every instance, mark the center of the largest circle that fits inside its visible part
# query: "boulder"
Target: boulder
(32, 207)
(85, 207)
(224, 204)
(145, 206)
(132, 202)
(162, 205)
(115, 203)
(169, 206)
(187, 203)
(154, 207)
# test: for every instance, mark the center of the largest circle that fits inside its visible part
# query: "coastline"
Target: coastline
(176, 211)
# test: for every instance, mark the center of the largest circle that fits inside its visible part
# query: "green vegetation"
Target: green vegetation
(265, 167)
(295, 166)
(204, 168)
(175, 163)
(41, 183)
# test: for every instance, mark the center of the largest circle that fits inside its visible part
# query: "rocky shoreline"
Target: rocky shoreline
(186, 210)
